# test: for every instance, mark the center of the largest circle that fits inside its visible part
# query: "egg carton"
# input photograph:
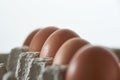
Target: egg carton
(20, 64)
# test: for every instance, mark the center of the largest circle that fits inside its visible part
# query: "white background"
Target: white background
(97, 21)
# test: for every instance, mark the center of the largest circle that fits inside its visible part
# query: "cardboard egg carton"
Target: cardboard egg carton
(20, 64)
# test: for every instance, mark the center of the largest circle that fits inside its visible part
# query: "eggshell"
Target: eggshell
(93, 63)
(67, 50)
(39, 39)
(54, 42)
(29, 38)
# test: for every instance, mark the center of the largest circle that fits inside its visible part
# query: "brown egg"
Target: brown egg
(67, 50)
(29, 38)
(39, 39)
(55, 40)
(93, 63)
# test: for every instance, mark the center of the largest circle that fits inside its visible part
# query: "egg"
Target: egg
(29, 38)
(93, 63)
(67, 50)
(39, 39)
(55, 40)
